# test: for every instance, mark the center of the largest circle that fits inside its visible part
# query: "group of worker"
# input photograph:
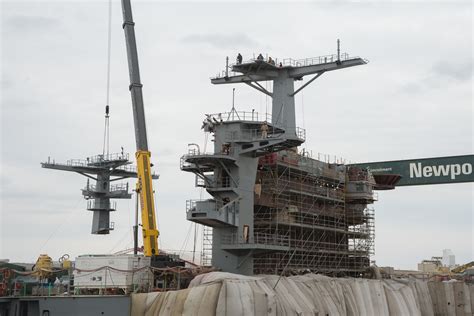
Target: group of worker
(259, 58)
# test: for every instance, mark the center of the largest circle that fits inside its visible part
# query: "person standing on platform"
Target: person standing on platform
(239, 59)
(264, 129)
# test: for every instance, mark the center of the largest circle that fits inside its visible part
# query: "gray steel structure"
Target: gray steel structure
(103, 169)
(240, 139)
(134, 73)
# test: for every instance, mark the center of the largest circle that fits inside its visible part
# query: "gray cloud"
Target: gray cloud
(221, 40)
(5, 83)
(411, 88)
(30, 23)
(460, 71)
(440, 74)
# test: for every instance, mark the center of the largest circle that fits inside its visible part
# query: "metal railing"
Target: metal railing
(303, 245)
(288, 62)
(240, 116)
(92, 205)
(217, 210)
(191, 204)
(257, 238)
(112, 188)
(119, 187)
(316, 60)
(194, 152)
(98, 159)
(217, 205)
(301, 133)
(258, 133)
(109, 157)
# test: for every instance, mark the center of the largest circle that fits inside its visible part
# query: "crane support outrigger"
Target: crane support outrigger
(144, 185)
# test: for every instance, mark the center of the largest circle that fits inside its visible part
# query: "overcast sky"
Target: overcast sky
(412, 100)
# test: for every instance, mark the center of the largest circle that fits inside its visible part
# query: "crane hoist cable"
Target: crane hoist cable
(105, 147)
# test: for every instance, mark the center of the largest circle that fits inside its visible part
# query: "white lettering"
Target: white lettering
(441, 170)
(417, 170)
(427, 171)
(466, 168)
(379, 169)
(414, 172)
(455, 171)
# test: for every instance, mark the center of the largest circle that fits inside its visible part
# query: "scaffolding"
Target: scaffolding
(318, 211)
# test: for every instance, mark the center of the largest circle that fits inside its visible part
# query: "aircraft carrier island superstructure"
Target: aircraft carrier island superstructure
(276, 210)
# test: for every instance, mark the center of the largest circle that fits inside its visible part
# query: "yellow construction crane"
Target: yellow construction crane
(144, 185)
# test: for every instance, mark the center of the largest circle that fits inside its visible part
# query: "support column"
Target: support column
(283, 104)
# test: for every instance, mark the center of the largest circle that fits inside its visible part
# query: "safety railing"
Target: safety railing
(119, 187)
(257, 238)
(316, 60)
(304, 245)
(97, 205)
(239, 116)
(195, 152)
(261, 133)
(76, 163)
(108, 157)
(301, 133)
(287, 62)
(112, 188)
(98, 159)
(191, 204)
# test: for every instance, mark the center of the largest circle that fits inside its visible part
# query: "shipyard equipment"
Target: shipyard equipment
(43, 267)
(103, 169)
(144, 173)
(145, 185)
(106, 168)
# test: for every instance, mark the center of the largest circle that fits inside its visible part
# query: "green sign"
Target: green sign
(439, 170)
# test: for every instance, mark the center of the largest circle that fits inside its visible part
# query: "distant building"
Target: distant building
(449, 259)
(438, 264)
(428, 266)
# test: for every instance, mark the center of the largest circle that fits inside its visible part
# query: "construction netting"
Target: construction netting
(219, 293)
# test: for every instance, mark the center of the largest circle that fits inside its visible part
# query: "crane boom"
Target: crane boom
(145, 185)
